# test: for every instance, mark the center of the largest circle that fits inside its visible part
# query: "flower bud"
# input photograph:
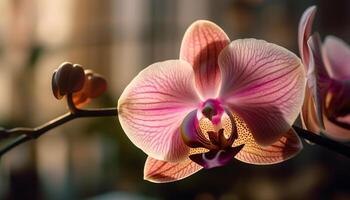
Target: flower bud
(67, 79)
(94, 86)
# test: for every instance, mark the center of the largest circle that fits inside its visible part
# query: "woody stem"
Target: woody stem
(25, 134)
(323, 141)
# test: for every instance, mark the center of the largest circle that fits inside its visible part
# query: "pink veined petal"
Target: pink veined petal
(287, 146)
(159, 171)
(201, 45)
(304, 32)
(336, 54)
(264, 83)
(153, 105)
(283, 149)
(317, 77)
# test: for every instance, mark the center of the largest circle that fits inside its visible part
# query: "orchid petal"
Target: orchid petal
(153, 106)
(201, 45)
(338, 102)
(304, 32)
(335, 131)
(283, 149)
(337, 111)
(345, 120)
(309, 121)
(264, 83)
(337, 58)
(159, 171)
(308, 114)
(317, 78)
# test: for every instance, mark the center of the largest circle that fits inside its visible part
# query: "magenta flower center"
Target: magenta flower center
(205, 128)
(213, 110)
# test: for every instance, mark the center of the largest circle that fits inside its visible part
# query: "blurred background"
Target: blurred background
(92, 158)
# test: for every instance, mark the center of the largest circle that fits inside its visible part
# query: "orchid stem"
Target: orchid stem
(25, 134)
(323, 141)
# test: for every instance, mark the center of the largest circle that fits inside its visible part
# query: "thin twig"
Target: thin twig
(323, 141)
(25, 134)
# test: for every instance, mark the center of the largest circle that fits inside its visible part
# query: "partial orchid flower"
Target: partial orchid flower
(221, 100)
(326, 106)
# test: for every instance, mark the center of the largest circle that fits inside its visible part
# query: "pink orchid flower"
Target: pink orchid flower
(219, 101)
(327, 100)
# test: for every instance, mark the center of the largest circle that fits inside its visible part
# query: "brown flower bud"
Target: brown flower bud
(94, 86)
(67, 79)
(76, 78)
(80, 99)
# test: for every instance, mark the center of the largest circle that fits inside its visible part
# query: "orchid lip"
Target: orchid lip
(218, 158)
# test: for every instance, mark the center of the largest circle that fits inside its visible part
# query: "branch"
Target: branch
(26, 134)
(323, 141)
